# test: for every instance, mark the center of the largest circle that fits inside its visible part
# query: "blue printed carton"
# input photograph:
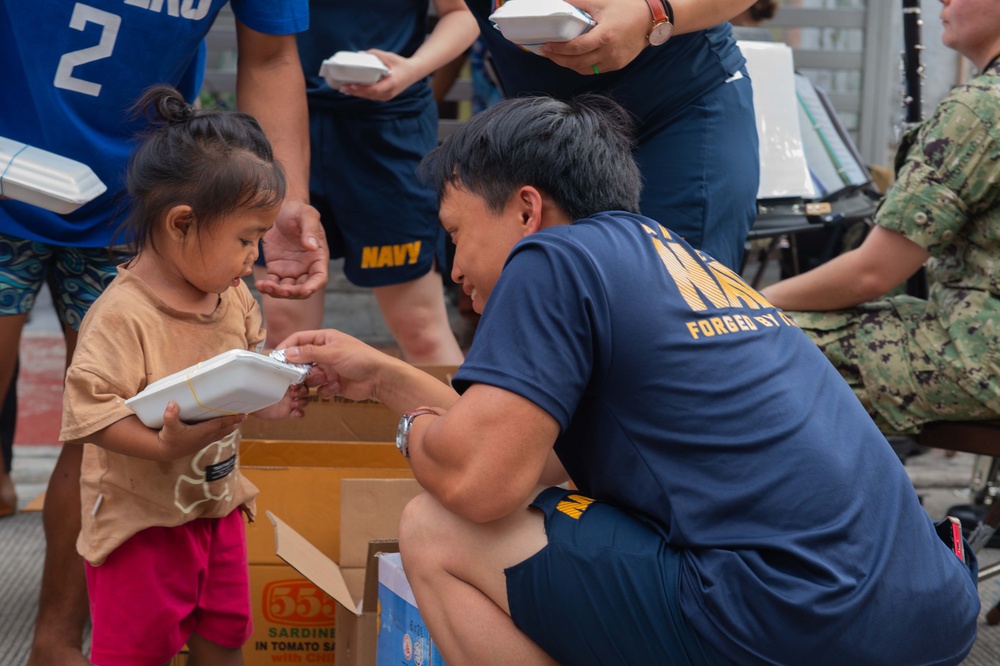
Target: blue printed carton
(403, 639)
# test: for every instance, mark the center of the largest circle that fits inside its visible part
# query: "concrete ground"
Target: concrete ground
(940, 480)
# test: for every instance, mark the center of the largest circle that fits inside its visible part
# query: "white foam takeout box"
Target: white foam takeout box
(532, 23)
(352, 67)
(234, 382)
(42, 178)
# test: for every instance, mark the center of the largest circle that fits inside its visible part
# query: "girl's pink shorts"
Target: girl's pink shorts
(166, 583)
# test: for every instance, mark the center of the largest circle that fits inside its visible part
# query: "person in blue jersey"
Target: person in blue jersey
(690, 95)
(732, 502)
(366, 143)
(71, 70)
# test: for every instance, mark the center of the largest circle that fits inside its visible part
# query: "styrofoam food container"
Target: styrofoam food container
(532, 23)
(44, 179)
(352, 67)
(234, 382)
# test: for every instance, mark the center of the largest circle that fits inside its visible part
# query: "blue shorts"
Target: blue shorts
(76, 276)
(363, 182)
(700, 171)
(604, 591)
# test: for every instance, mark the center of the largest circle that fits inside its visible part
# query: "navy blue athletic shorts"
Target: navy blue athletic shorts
(604, 591)
(363, 181)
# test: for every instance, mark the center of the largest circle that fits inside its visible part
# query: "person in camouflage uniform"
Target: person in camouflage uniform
(913, 361)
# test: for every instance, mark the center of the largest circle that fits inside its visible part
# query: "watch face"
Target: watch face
(401, 431)
(660, 33)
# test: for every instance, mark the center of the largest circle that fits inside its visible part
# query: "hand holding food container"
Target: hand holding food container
(533, 23)
(345, 67)
(234, 382)
(44, 179)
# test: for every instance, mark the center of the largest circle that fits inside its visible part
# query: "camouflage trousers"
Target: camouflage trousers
(900, 361)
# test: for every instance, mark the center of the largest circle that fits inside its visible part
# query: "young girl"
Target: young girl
(163, 533)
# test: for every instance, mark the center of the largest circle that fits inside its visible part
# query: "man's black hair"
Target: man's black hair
(578, 152)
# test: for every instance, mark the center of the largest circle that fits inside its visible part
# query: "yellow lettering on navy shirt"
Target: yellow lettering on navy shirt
(712, 286)
(574, 505)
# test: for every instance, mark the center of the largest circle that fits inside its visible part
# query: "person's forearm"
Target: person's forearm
(837, 284)
(692, 15)
(274, 93)
(454, 33)
(885, 260)
(403, 387)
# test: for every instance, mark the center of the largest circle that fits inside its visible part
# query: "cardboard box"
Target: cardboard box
(294, 621)
(369, 525)
(403, 638)
(301, 482)
(338, 419)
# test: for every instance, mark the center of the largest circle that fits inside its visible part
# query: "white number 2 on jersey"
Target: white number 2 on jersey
(83, 14)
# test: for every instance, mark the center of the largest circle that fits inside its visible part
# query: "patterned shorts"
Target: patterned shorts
(76, 276)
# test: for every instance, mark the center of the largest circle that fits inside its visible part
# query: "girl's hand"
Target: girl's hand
(178, 439)
(292, 404)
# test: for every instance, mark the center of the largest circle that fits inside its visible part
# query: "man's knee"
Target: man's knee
(417, 521)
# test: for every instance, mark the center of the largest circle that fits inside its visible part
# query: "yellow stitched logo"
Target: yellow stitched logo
(383, 256)
(574, 505)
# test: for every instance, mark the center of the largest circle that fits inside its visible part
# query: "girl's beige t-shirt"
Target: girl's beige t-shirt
(129, 339)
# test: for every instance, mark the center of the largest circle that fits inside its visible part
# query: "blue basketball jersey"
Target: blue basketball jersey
(70, 72)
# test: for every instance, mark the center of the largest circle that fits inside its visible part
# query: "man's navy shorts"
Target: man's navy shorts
(604, 591)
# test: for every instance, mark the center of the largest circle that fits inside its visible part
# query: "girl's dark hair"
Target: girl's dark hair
(578, 152)
(216, 162)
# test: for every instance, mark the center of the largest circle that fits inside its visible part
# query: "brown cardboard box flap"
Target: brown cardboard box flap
(311, 563)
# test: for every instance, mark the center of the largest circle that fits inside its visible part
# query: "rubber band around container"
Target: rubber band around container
(187, 380)
(4, 174)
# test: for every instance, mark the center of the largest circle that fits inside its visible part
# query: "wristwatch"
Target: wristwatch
(403, 431)
(663, 21)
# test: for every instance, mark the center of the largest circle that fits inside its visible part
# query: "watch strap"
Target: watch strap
(659, 9)
(669, 10)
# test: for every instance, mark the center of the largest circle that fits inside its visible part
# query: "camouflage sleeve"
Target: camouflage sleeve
(947, 176)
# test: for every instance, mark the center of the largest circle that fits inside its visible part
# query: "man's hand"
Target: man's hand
(343, 365)
(298, 259)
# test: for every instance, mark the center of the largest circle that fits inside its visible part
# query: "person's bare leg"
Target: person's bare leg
(456, 569)
(416, 315)
(283, 316)
(10, 339)
(203, 652)
(8, 494)
(62, 603)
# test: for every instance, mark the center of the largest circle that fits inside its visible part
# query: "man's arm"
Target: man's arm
(271, 87)
(481, 459)
(484, 457)
(622, 27)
